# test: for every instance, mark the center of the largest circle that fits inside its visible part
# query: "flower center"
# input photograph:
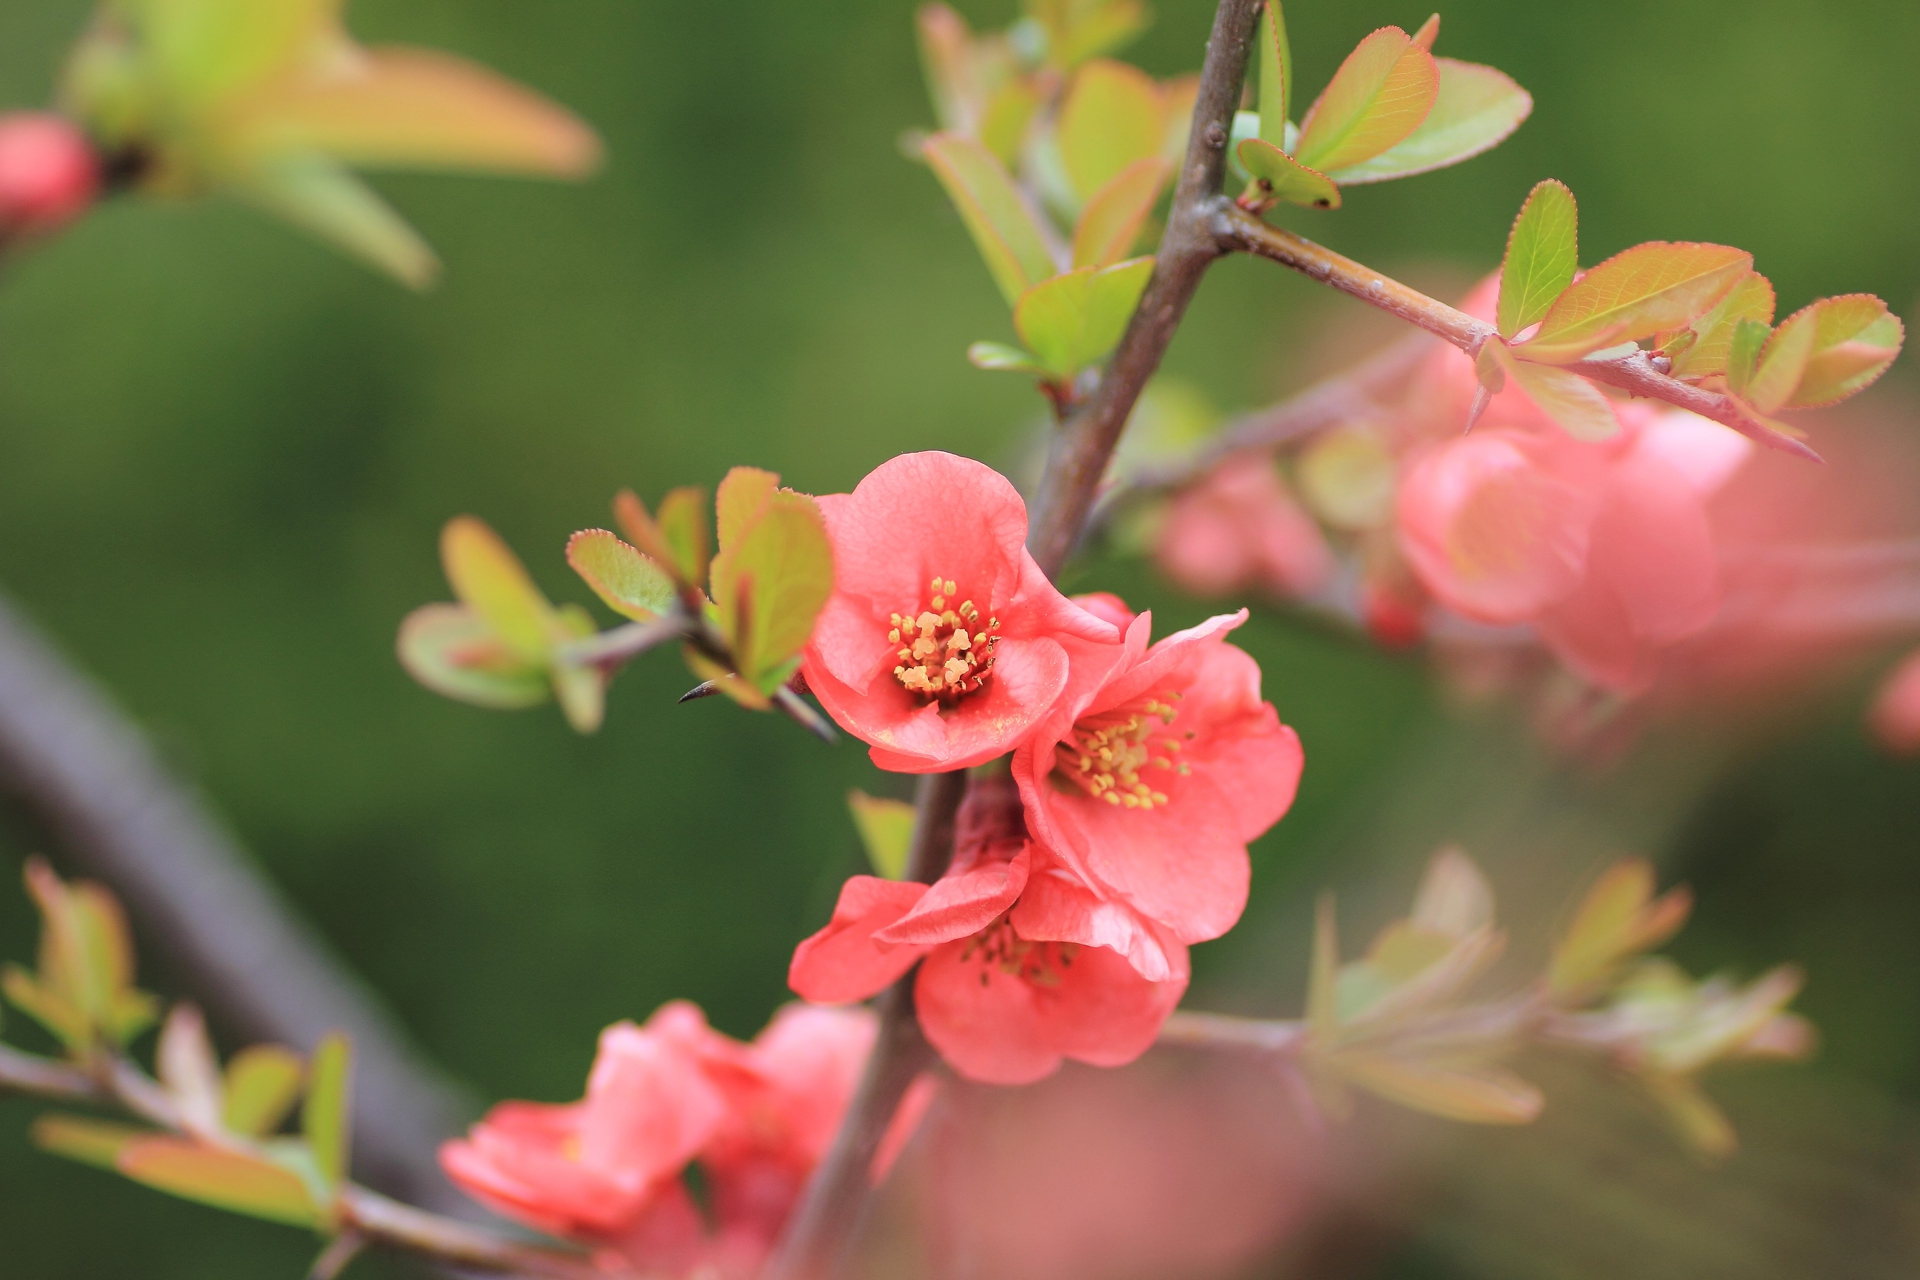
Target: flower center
(944, 653)
(1110, 756)
(998, 948)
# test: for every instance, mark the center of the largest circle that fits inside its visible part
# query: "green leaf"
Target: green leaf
(262, 1084)
(1543, 253)
(55, 1012)
(1111, 221)
(451, 650)
(1617, 919)
(490, 580)
(418, 109)
(1276, 74)
(229, 1180)
(631, 585)
(1377, 98)
(1475, 109)
(325, 1119)
(210, 50)
(946, 59)
(188, 1068)
(1469, 1094)
(1113, 116)
(1287, 178)
(1782, 362)
(770, 584)
(1001, 358)
(1008, 114)
(1075, 319)
(742, 493)
(579, 687)
(1323, 1005)
(1636, 294)
(319, 196)
(1081, 29)
(682, 522)
(886, 829)
(1856, 339)
(1743, 352)
(1004, 228)
(94, 1142)
(1751, 299)
(1569, 399)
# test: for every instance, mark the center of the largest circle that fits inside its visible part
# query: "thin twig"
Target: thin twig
(1185, 1030)
(368, 1214)
(81, 767)
(612, 649)
(1635, 374)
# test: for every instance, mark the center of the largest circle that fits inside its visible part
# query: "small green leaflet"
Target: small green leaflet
(326, 1118)
(1543, 253)
(1075, 319)
(1286, 178)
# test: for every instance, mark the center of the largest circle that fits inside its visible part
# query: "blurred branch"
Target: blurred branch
(361, 1213)
(84, 770)
(1635, 374)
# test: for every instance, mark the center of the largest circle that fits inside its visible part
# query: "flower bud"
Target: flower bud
(48, 172)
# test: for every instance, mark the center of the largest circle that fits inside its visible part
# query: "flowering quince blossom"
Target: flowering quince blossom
(1001, 1006)
(1144, 786)
(1239, 527)
(607, 1170)
(943, 642)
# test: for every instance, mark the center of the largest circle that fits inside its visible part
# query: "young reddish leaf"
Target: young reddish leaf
(631, 585)
(1276, 74)
(1004, 228)
(1287, 178)
(1569, 399)
(262, 1085)
(1782, 362)
(1111, 221)
(579, 687)
(1429, 32)
(1113, 116)
(1619, 918)
(1855, 341)
(742, 493)
(998, 357)
(490, 580)
(451, 650)
(418, 109)
(946, 59)
(1470, 1094)
(1075, 319)
(1636, 294)
(1475, 109)
(886, 831)
(316, 193)
(84, 988)
(1008, 114)
(770, 583)
(1081, 29)
(1454, 897)
(688, 538)
(324, 1120)
(95, 1142)
(1377, 98)
(188, 1068)
(1543, 253)
(1751, 299)
(60, 1016)
(229, 1180)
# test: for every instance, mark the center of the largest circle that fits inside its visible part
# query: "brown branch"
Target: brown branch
(1186, 1030)
(120, 1084)
(1239, 230)
(84, 770)
(822, 1230)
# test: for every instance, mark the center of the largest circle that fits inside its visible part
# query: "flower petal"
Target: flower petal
(843, 963)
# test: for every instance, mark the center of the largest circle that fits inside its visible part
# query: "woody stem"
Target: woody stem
(821, 1232)
(1237, 230)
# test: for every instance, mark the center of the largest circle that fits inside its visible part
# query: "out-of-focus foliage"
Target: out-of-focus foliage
(224, 454)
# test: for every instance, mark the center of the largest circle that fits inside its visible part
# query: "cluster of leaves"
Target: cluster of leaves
(1396, 1022)
(1055, 158)
(271, 101)
(1392, 110)
(224, 1144)
(743, 612)
(1701, 309)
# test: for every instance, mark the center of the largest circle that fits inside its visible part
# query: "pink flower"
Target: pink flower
(943, 642)
(1239, 527)
(48, 174)
(589, 1169)
(1000, 1006)
(1144, 787)
(606, 1171)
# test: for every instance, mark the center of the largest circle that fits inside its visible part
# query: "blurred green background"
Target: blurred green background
(225, 453)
